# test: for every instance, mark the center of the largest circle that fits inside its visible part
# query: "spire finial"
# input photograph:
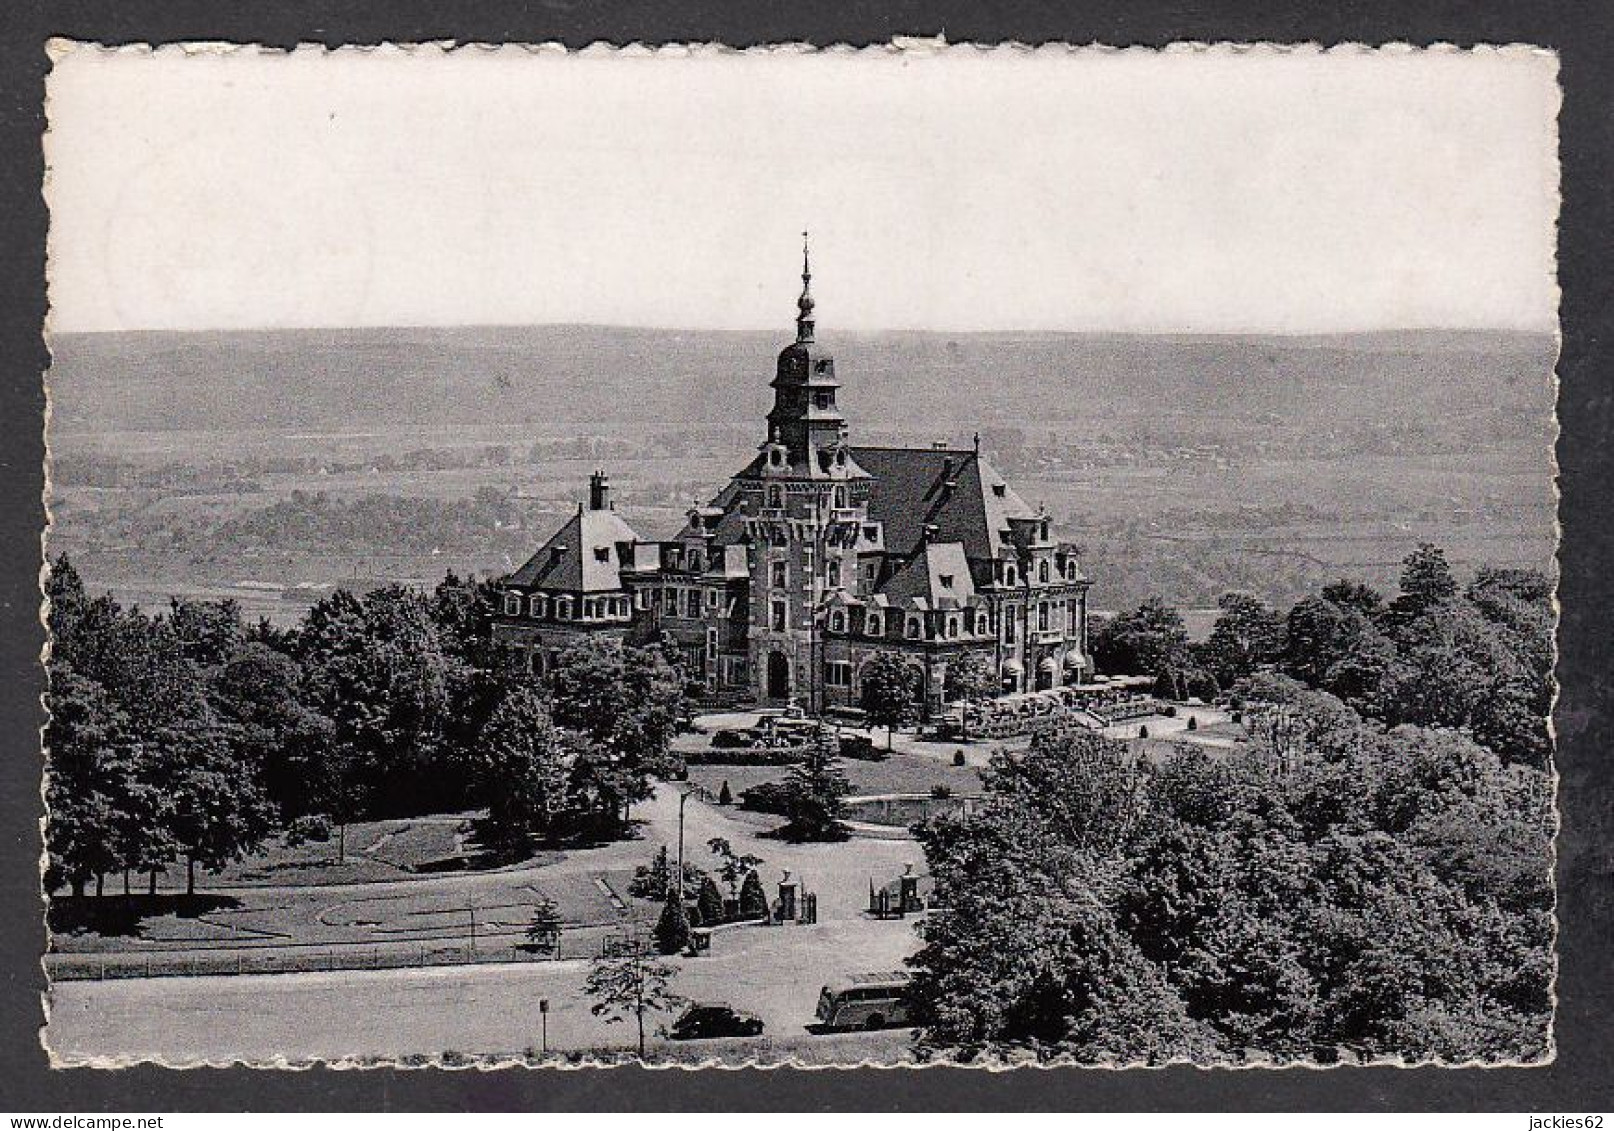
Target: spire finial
(804, 304)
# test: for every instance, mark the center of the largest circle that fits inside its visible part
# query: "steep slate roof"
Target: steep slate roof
(921, 576)
(577, 568)
(909, 493)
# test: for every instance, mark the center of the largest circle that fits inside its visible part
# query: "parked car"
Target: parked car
(714, 1019)
(866, 1001)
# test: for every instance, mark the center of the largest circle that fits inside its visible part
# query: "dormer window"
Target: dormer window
(915, 628)
(875, 625)
(952, 627)
(602, 553)
(982, 625)
(946, 580)
(1001, 490)
(837, 621)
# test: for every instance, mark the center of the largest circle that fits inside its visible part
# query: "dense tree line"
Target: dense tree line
(1368, 875)
(1475, 658)
(188, 736)
(1336, 889)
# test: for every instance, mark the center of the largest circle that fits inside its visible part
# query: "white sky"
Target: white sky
(1206, 191)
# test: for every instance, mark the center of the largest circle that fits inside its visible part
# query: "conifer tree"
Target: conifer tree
(816, 791)
(672, 929)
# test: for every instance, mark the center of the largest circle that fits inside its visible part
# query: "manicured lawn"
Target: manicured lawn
(900, 773)
(375, 850)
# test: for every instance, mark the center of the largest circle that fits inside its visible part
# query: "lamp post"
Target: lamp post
(683, 799)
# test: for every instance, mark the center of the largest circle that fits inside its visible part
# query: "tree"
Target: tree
(626, 703)
(478, 670)
(970, 679)
(375, 667)
(220, 813)
(753, 899)
(1247, 635)
(710, 902)
(1426, 582)
(89, 748)
(631, 984)
(672, 929)
(735, 866)
(522, 769)
(890, 692)
(1149, 640)
(209, 631)
(262, 694)
(816, 789)
(543, 932)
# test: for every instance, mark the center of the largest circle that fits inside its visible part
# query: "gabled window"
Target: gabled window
(915, 628)
(952, 627)
(874, 625)
(982, 625)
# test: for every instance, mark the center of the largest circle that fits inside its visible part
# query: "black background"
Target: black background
(1581, 1079)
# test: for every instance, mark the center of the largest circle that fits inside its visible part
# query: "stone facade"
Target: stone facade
(818, 555)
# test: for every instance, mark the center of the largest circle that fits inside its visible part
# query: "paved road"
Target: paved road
(775, 972)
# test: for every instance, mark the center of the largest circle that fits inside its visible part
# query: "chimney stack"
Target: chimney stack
(599, 492)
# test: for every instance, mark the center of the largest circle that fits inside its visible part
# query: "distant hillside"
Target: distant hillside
(343, 379)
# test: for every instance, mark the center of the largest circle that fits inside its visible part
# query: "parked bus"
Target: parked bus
(865, 1001)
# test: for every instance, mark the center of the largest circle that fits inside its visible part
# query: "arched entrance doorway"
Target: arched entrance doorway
(778, 676)
(1045, 674)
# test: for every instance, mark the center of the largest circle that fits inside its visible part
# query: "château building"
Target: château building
(818, 555)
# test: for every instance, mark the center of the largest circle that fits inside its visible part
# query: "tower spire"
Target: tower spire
(804, 304)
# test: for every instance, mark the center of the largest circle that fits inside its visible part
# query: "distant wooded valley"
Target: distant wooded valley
(274, 466)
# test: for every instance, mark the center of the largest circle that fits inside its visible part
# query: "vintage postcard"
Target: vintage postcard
(924, 554)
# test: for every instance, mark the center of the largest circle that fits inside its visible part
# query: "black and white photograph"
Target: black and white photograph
(913, 555)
